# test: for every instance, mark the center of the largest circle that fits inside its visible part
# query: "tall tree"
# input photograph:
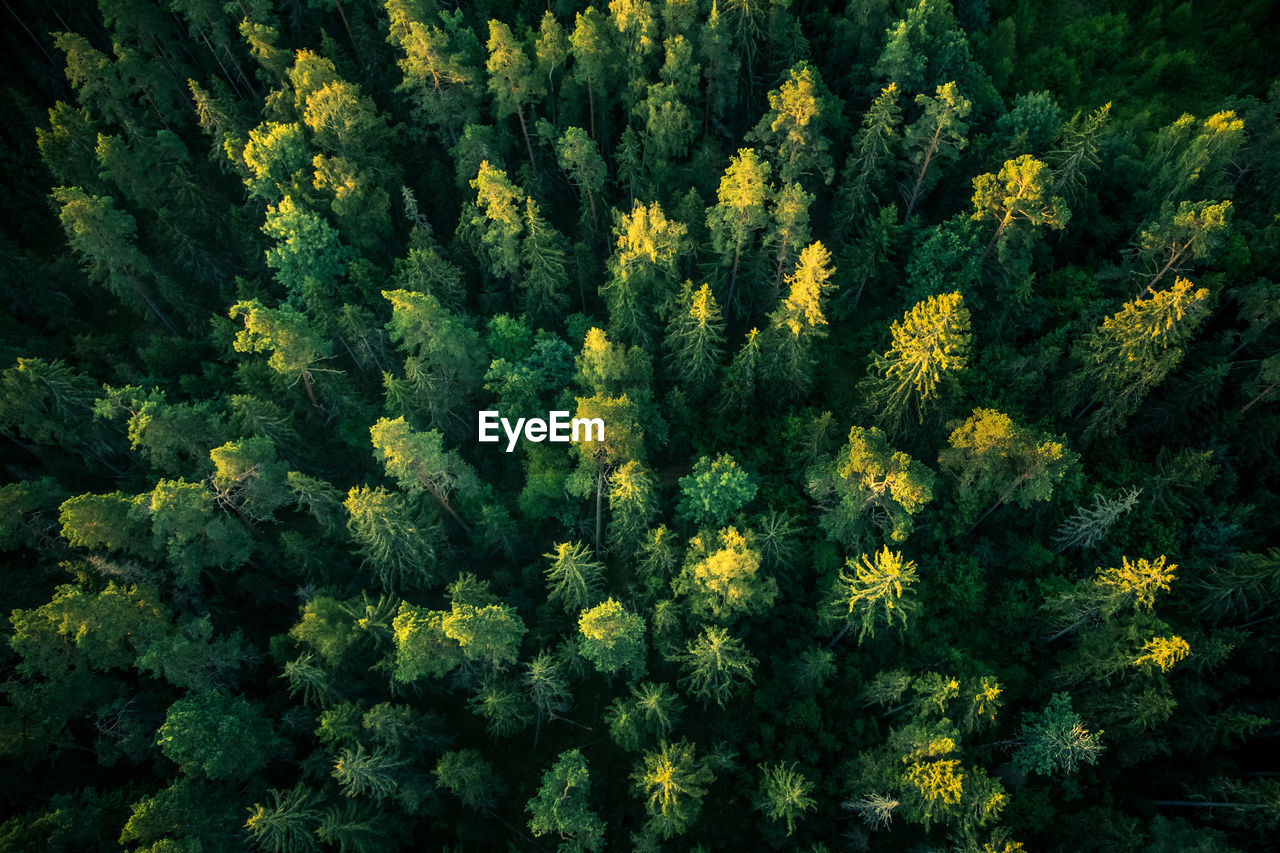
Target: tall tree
(695, 337)
(512, 79)
(296, 347)
(1118, 363)
(672, 782)
(990, 456)
(935, 138)
(799, 321)
(873, 592)
(1021, 193)
(869, 159)
(869, 484)
(740, 212)
(792, 131)
(561, 806)
(930, 346)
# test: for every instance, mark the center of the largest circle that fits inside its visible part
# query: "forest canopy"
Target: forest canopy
(936, 351)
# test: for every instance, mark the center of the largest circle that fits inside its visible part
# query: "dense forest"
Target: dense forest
(937, 350)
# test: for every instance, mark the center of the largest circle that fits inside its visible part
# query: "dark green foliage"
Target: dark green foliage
(935, 348)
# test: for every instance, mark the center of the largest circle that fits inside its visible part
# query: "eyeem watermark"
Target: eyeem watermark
(557, 427)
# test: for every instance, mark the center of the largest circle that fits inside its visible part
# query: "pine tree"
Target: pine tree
(512, 80)
(418, 462)
(1076, 155)
(873, 592)
(573, 578)
(287, 823)
(869, 484)
(789, 230)
(716, 665)
(869, 159)
(935, 138)
(742, 380)
(580, 158)
(613, 638)
(1121, 361)
(396, 543)
(498, 221)
(1089, 525)
(930, 345)
(714, 491)
(1022, 192)
(632, 506)
(440, 77)
(543, 263)
(672, 782)
(1177, 237)
(1056, 740)
(721, 579)
(991, 456)
(741, 210)
(561, 806)
(798, 321)
(296, 348)
(642, 271)
(784, 794)
(695, 337)
(792, 131)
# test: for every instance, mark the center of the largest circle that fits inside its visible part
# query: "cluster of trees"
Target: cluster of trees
(937, 348)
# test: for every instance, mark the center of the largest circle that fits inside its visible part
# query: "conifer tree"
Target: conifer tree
(642, 271)
(740, 212)
(873, 592)
(799, 320)
(935, 138)
(1022, 192)
(868, 483)
(498, 220)
(990, 455)
(573, 577)
(595, 65)
(743, 377)
(542, 260)
(561, 806)
(722, 579)
(789, 230)
(672, 782)
(695, 337)
(1122, 360)
(784, 794)
(792, 131)
(613, 638)
(1178, 237)
(1089, 525)
(580, 158)
(632, 506)
(1076, 155)
(716, 665)
(419, 462)
(930, 345)
(869, 159)
(512, 80)
(296, 348)
(440, 77)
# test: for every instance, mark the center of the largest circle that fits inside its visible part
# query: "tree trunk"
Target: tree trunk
(599, 491)
(924, 168)
(525, 130)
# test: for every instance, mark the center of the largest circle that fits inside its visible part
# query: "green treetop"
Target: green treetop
(561, 806)
(872, 592)
(869, 484)
(612, 638)
(930, 346)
